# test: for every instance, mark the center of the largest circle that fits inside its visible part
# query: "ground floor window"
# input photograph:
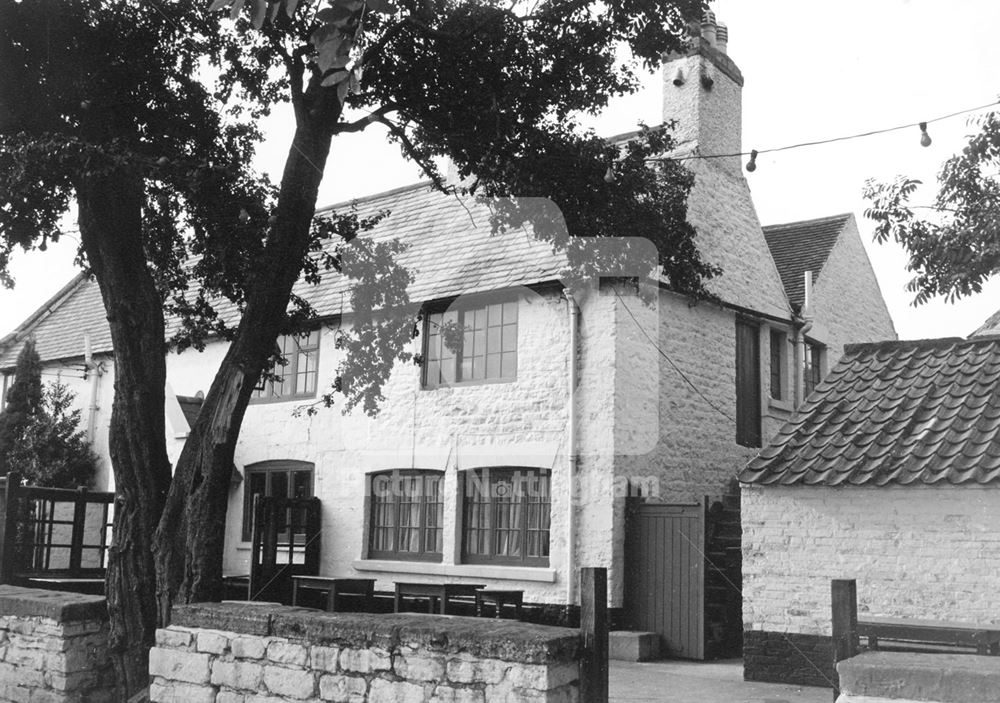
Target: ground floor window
(282, 479)
(405, 515)
(506, 516)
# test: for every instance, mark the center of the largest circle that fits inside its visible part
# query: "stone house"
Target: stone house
(577, 399)
(888, 474)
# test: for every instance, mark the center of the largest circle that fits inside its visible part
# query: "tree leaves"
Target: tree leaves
(953, 243)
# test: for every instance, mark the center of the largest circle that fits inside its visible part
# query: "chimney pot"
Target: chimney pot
(721, 37)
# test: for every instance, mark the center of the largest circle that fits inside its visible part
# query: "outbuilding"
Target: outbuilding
(888, 474)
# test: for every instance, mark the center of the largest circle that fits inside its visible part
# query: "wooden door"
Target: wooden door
(665, 575)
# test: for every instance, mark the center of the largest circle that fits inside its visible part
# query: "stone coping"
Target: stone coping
(947, 678)
(508, 640)
(60, 606)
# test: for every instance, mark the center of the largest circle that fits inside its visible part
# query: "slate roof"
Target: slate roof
(913, 412)
(61, 324)
(450, 253)
(803, 246)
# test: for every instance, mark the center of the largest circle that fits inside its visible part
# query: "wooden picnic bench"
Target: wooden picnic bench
(336, 589)
(499, 598)
(985, 639)
(433, 592)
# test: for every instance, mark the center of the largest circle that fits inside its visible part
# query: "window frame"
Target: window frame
(394, 505)
(467, 485)
(286, 466)
(458, 356)
(778, 352)
(290, 369)
(812, 367)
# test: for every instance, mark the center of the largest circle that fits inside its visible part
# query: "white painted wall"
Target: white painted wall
(926, 552)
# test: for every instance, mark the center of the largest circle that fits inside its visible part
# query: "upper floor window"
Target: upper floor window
(506, 516)
(812, 367)
(471, 344)
(779, 364)
(5, 380)
(405, 515)
(281, 479)
(748, 415)
(297, 377)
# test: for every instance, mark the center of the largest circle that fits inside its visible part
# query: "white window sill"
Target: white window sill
(786, 405)
(508, 573)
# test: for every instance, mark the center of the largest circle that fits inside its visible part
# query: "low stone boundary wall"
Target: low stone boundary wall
(902, 677)
(53, 647)
(248, 653)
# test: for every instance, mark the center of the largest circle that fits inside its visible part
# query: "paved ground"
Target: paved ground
(675, 681)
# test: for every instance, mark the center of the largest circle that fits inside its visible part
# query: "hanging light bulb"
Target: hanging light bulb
(752, 163)
(925, 139)
(609, 175)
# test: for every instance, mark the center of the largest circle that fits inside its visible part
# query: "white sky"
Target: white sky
(813, 71)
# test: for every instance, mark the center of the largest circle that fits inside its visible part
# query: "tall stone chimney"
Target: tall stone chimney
(702, 91)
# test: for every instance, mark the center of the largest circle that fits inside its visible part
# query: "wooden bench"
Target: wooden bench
(336, 589)
(433, 592)
(920, 634)
(499, 598)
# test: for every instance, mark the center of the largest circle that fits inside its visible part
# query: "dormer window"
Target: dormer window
(297, 377)
(471, 345)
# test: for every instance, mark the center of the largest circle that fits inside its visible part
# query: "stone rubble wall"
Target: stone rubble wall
(53, 647)
(248, 653)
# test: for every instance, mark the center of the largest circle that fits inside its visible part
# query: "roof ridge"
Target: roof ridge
(929, 343)
(798, 223)
(373, 196)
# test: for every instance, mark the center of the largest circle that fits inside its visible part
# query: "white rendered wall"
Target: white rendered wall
(927, 552)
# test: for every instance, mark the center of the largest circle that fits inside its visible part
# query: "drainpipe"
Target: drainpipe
(802, 323)
(95, 370)
(574, 323)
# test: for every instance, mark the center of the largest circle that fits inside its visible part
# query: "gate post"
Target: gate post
(594, 633)
(844, 602)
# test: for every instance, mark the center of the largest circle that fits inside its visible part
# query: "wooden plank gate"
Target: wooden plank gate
(682, 564)
(665, 575)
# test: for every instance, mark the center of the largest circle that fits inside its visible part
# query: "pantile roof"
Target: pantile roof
(803, 246)
(913, 412)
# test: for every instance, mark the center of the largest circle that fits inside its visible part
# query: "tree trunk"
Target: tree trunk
(189, 564)
(111, 231)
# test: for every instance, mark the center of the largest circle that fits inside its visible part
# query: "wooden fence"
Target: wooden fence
(54, 537)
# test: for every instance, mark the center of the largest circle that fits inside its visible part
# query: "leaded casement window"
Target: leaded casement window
(505, 516)
(405, 515)
(471, 344)
(298, 376)
(281, 479)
